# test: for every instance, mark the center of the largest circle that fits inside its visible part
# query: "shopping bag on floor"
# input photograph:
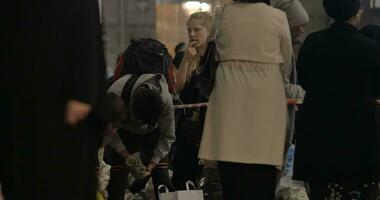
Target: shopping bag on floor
(182, 194)
(289, 163)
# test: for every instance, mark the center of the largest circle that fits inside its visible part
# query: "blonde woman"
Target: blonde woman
(246, 119)
(191, 62)
(193, 84)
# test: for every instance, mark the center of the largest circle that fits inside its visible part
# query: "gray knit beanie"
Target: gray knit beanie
(294, 10)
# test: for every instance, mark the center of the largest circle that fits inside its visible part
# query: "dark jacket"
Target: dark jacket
(336, 139)
(198, 88)
(51, 52)
(189, 123)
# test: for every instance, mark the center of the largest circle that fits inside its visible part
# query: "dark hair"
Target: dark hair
(115, 108)
(147, 105)
(372, 31)
(179, 47)
(254, 1)
(341, 10)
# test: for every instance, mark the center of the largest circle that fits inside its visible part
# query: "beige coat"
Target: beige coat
(246, 118)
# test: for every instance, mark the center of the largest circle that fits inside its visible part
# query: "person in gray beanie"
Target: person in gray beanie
(297, 16)
(298, 19)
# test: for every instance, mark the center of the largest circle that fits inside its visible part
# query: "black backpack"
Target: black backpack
(148, 56)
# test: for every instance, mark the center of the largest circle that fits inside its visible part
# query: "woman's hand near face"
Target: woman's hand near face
(190, 52)
(182, 72)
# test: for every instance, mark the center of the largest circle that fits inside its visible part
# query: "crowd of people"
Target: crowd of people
(66, 134)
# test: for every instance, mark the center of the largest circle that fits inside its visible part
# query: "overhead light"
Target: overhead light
(192, 5)
(196, 6)
(205, 7)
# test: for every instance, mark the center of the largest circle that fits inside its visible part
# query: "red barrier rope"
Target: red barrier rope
(204, 104)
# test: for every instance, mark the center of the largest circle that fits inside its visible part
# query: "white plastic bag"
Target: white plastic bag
(104, 171)
(182, 194)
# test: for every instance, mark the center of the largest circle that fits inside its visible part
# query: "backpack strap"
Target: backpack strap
(119, 67)
(127, 89)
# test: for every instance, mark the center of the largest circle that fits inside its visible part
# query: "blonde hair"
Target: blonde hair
(206, 19)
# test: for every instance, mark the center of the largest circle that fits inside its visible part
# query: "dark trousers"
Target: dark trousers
(247, 181)
(145, 144)
(118, 184)
(185, 169)
(185, 162)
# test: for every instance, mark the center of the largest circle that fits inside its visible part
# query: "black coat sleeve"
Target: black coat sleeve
(88, 73)
(375, 58)
(304, 58)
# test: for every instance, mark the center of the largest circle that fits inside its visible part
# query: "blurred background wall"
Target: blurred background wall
(165, 20)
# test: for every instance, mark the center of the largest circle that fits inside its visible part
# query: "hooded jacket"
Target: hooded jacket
(165, 124)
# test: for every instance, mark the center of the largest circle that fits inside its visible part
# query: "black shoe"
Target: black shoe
(139, 184)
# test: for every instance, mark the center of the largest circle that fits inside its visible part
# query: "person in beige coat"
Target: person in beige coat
(246, 119)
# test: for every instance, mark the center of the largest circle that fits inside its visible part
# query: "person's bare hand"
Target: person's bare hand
(151, 166)
(76, 111)
(191, 51)
(111, 129)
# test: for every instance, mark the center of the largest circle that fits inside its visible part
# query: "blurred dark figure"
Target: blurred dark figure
(337, 145)
(52, 82)
(180, 47)
(179, 50)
